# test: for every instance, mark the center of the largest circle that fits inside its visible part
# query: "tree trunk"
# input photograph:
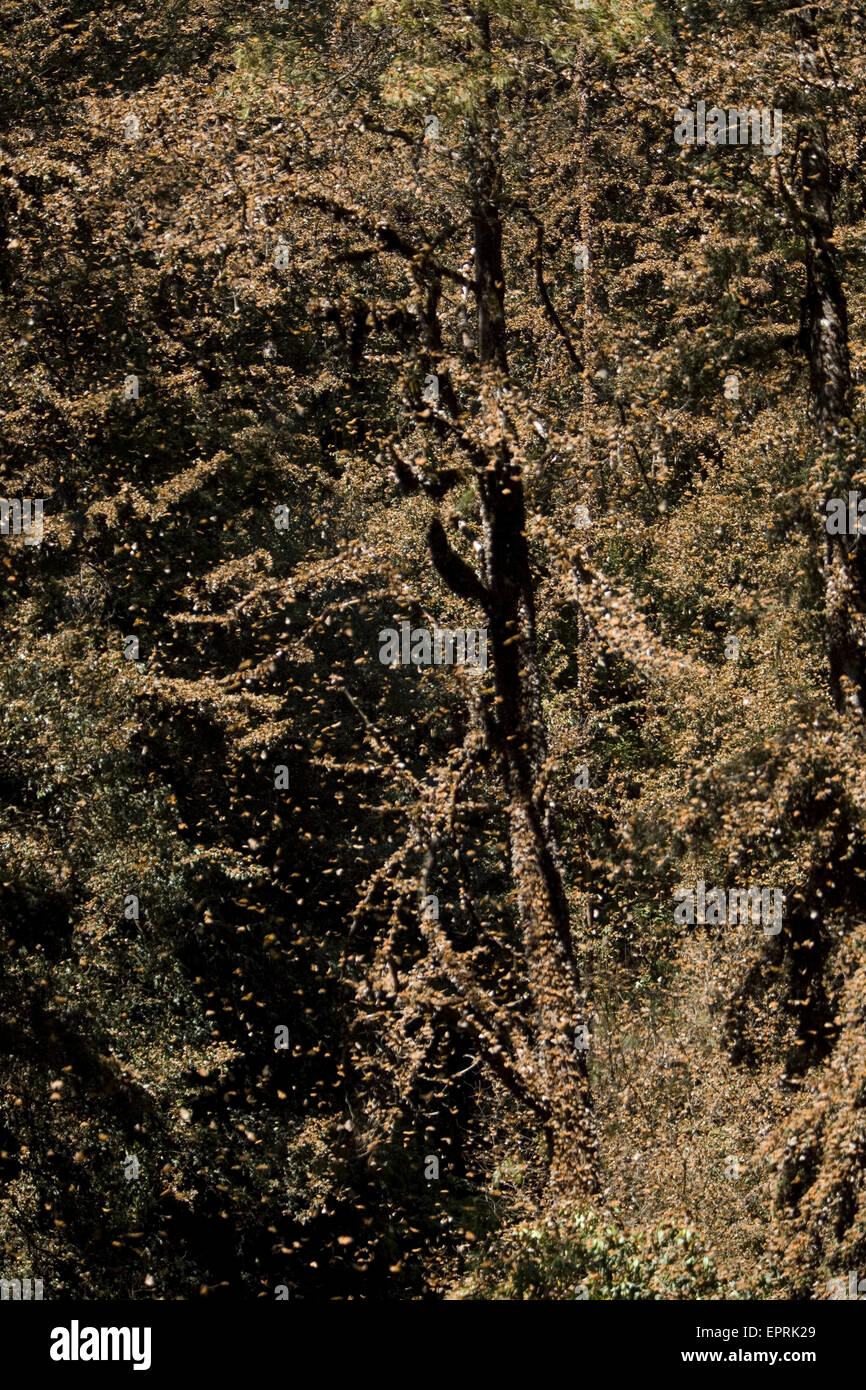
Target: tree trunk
(825, 338)
(517, 726)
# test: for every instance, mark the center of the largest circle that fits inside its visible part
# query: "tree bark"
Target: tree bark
(825, 339)
(516, 723)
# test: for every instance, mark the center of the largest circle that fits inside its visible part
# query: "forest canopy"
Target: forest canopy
(433, 694)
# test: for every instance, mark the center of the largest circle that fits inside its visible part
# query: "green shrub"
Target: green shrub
(578, 1254)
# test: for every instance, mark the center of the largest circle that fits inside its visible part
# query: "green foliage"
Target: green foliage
(578, 1254)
